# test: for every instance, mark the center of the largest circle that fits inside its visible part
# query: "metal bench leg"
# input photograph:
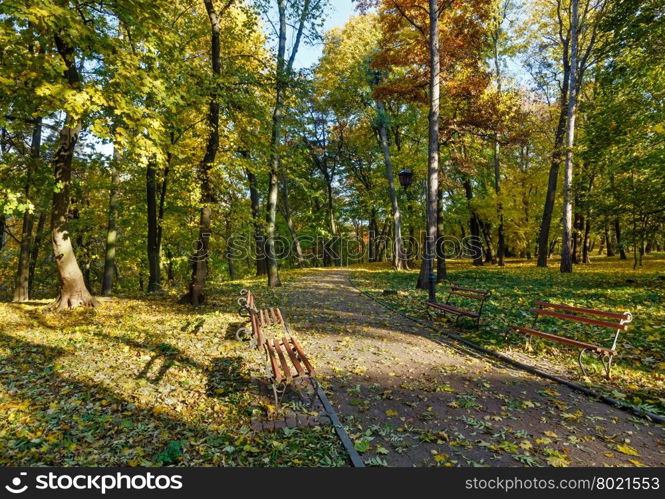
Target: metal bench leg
(274, 393)
(579, 361)
(278, 391)
(607, 364)
(243, 335)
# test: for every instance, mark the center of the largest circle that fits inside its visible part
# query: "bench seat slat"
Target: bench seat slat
(276, 373)
(588, 311)
(452, 310)
(303, 357)
(282, 359)
(561, 339)
(579, 318)
(273, 316)
(279, 316)
(293, 356)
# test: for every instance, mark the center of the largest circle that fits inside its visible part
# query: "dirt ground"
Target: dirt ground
(409, 400)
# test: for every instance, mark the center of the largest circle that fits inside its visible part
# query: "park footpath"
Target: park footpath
(407, 399)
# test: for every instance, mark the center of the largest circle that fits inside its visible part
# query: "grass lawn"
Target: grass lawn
(141, 382)
(605, 284)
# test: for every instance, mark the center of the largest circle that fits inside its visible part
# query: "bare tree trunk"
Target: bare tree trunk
(3, 235)
(474, 227)
(259, 238)
(233, 275)
(111, 231)
(497, 147)
(617, 232)
(608, 241)
(154, 263)
(372, 229)
(399, 258)
(284, 69)
(275, 143)
(195, 294)
(162, 200)
(73, 292)
(566, 256)
(299, 259)
(559, 136)
(428, 279)
(329, 247)
(585, 244)
(22, 285)
(441, 271)
(486, 229)
(34, 253)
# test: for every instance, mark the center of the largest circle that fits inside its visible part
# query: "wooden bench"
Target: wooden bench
(479, 295)
(285, 362)
(617, 321)
(284, 357)
(259, 319)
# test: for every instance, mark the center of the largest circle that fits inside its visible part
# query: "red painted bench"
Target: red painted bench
(480, 295)
(617, 321)
(284, 357)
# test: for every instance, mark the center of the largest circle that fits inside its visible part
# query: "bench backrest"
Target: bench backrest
(617, 321)
(251, 302)
(248, 303)
(474, 294)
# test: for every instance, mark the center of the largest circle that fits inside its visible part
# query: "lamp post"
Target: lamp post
(405, 178)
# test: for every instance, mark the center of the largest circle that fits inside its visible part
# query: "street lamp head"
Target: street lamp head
(405, 178)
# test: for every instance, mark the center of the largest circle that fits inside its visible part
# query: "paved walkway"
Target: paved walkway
(409, 400)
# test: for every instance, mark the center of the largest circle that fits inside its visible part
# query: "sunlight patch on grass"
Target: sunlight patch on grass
(141, 383)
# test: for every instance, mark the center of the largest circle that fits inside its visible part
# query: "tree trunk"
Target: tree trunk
(555, 163)
(259, 238)
(284, 70)
(34, 253)
(497, 149)
(288, 218)
(474, 227)
(427, 278)
(578, 228)
(487, 236)
(441, 271)
(195, 295)
(617, 232)
(372, 229)
(233, 275)
(275, 143)
(170, 272)
(566, 256)
(22, 285)
(585, 244)
(154, 264)
(329, 246)
(162, 201)
(608, 241)
(3, 235)
(73, 292)
(399, 258)
(111, 231)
